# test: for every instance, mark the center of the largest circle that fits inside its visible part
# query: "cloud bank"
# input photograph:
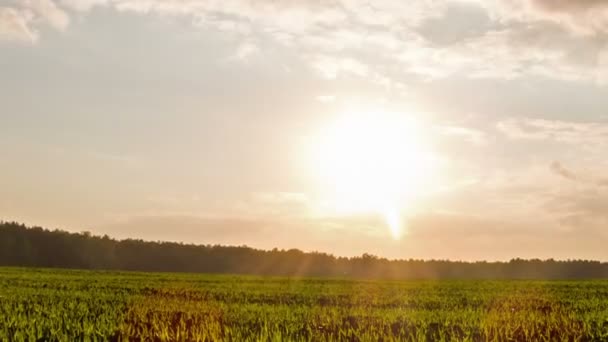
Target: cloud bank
(523, 37)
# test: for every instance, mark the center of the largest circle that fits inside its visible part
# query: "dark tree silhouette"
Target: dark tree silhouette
(38, 247)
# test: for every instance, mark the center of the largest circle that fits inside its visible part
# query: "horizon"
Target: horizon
(184, 243)
(447, 130)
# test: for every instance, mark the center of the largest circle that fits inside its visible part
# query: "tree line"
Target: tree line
(37, 247)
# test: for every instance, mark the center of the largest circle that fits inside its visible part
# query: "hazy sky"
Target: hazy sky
(279, 123)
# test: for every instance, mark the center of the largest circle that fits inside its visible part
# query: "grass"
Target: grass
(65, 305)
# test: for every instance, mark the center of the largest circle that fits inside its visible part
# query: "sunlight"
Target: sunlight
(374, 162)
(393, 221)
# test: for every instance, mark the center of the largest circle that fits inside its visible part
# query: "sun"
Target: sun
(374, 161)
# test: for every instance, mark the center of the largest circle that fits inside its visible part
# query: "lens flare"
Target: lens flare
(394, 222)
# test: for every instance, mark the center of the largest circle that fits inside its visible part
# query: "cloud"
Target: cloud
(583, 144)
(298, 15)
(389, 13)
(291, 17)
(560, 170)
(386, 42)
(568, 6)
(48, 11)
(331, 67)
(245, 51)
(582, 17)
(15, 25)
(520, 41)
(318, 30)
(82, 5)
(20, 22)
(587, 179)
(555, 130)
(515, 51)
(471, 135)
(582, 209)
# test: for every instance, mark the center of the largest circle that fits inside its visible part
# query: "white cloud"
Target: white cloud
(380, 38)
(20, 21)
(48, 11)
(580, 17)
(331, 67)
(245, 51)
(393, 14)
(469, 134)
(82, 5)
(15, 25)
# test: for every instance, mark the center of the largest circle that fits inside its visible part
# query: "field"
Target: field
(62, 305)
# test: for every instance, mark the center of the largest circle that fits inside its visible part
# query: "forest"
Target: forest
(25, 246)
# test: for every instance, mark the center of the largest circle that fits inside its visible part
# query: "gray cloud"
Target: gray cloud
(560, 170)
(566, 173)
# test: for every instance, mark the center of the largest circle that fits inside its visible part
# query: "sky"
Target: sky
(435, 129)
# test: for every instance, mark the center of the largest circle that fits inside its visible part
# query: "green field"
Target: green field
(62, 305)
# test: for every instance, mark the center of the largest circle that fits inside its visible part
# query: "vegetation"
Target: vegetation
(60, 305)
(37, 247)
(44, 304)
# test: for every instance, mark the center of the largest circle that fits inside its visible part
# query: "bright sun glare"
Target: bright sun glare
(374, 162)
